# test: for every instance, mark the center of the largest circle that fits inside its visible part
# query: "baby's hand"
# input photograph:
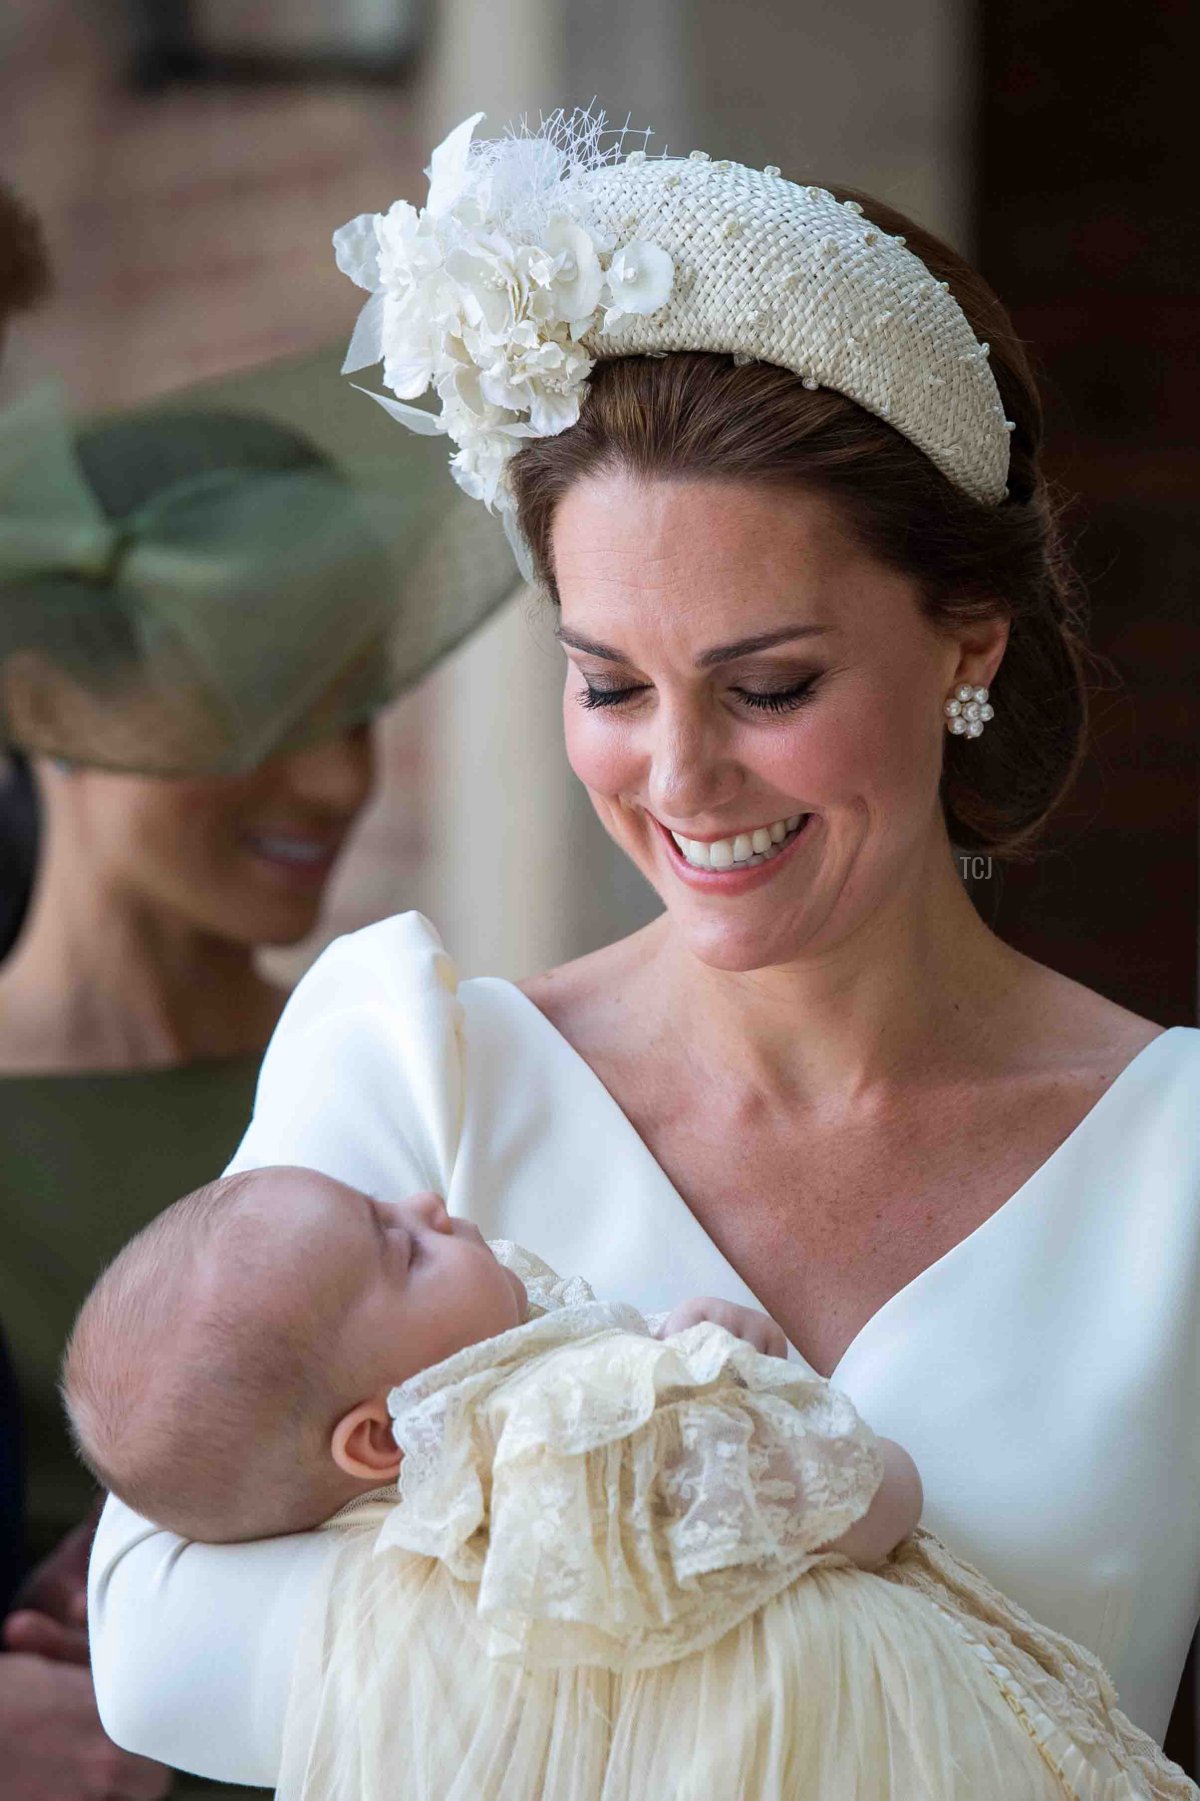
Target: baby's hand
(746, 1323)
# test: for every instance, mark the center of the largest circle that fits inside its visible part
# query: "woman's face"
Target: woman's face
(245, 858)
(745, 676)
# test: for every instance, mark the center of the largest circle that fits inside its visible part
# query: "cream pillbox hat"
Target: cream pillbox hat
(789, 275)
(538, 254)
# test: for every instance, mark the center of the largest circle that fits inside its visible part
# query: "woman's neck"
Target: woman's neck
(921, 987)
(103, 979)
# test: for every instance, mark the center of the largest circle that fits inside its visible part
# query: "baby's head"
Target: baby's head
(228, 1374)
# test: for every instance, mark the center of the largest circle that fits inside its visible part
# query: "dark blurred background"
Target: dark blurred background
(1084, 219)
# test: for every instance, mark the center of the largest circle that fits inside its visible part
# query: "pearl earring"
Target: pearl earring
(968, 712)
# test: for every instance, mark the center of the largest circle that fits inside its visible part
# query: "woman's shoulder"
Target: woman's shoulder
(587, 999)
(403, 951)
(1064, 1028)
(363, 1078)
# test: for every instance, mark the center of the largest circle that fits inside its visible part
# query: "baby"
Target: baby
(620, 1559)
(228, 1376)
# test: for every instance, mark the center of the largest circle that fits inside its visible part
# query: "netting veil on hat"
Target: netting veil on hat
(205, 582)
(536, 255)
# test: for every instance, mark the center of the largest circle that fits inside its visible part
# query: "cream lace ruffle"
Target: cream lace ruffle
(1060, 1690)
(621, 1500)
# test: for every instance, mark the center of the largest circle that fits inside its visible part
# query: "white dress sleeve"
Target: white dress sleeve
(363, 1079)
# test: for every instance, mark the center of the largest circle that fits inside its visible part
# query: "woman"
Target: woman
(194, 796)
(791, 538)
(52, 1744)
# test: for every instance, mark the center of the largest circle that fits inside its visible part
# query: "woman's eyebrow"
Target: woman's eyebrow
(721, 653)
(745, 647)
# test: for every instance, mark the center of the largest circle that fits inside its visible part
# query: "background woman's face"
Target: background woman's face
(829, 742)
(246, 857)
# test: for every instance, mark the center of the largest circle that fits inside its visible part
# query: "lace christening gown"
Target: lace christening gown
(600, 1582)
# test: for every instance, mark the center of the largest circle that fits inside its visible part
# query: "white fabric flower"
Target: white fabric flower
(639, 281)
(448, 167)
(484, 295)
(572, 280)
(356, 250)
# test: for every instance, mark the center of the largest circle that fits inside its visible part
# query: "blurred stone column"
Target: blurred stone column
(518, 874)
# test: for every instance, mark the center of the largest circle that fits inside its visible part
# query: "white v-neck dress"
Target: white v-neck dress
(1044, 1373)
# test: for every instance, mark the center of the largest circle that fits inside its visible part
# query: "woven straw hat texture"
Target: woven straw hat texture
(789, 275)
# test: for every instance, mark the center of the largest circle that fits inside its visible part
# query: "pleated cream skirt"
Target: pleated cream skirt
(845, 1687)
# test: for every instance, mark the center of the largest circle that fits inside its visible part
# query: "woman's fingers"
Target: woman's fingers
(37, 1635)
(754, 1328)
(58, 1586)
(54, 1746)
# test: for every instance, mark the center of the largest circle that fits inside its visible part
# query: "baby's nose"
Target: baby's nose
(430, 1210)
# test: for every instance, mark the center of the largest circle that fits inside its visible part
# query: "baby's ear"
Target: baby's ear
(362, 1443)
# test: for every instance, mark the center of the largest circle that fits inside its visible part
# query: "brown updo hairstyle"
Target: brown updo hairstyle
(697, 415)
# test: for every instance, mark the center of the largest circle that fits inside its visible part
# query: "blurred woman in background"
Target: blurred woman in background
(52, 1745)
(199, 613)
(24, 285)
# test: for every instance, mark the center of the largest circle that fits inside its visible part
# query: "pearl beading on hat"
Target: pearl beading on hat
(784, 274)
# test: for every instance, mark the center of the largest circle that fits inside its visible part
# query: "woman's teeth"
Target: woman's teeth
(302, 851)
(744, 851)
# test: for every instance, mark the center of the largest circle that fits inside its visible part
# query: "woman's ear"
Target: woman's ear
(362, 1443)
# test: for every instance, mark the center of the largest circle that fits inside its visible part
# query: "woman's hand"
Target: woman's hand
(52, 1745)
(49, 1612)
(746, 1323)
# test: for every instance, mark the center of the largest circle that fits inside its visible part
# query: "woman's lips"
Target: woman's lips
(736, 880)
(294, 860)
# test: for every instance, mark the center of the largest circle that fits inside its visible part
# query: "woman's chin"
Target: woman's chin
(267, 923)
(290, 927)
(742, 947)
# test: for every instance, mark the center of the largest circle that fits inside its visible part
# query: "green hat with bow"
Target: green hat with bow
(209, 581)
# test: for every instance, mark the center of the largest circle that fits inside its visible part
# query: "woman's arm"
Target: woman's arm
(192, 1644)
(897, 1503)
(894, 1511)
(363, 1079)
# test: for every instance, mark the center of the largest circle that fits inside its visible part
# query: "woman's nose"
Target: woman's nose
(335, 774)
(690, 774)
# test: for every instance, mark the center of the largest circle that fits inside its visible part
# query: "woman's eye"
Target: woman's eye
(776, 700)
(605, 697)
(779, 700)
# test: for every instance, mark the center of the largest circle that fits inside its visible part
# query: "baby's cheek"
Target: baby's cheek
(519, 1296)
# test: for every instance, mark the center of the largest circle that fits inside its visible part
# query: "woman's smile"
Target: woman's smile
(296, 859)
(747, 847)
(737, 864)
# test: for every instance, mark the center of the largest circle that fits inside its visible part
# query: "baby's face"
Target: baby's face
(391, 1286)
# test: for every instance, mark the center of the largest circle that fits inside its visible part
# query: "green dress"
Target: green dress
(87, 1160)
